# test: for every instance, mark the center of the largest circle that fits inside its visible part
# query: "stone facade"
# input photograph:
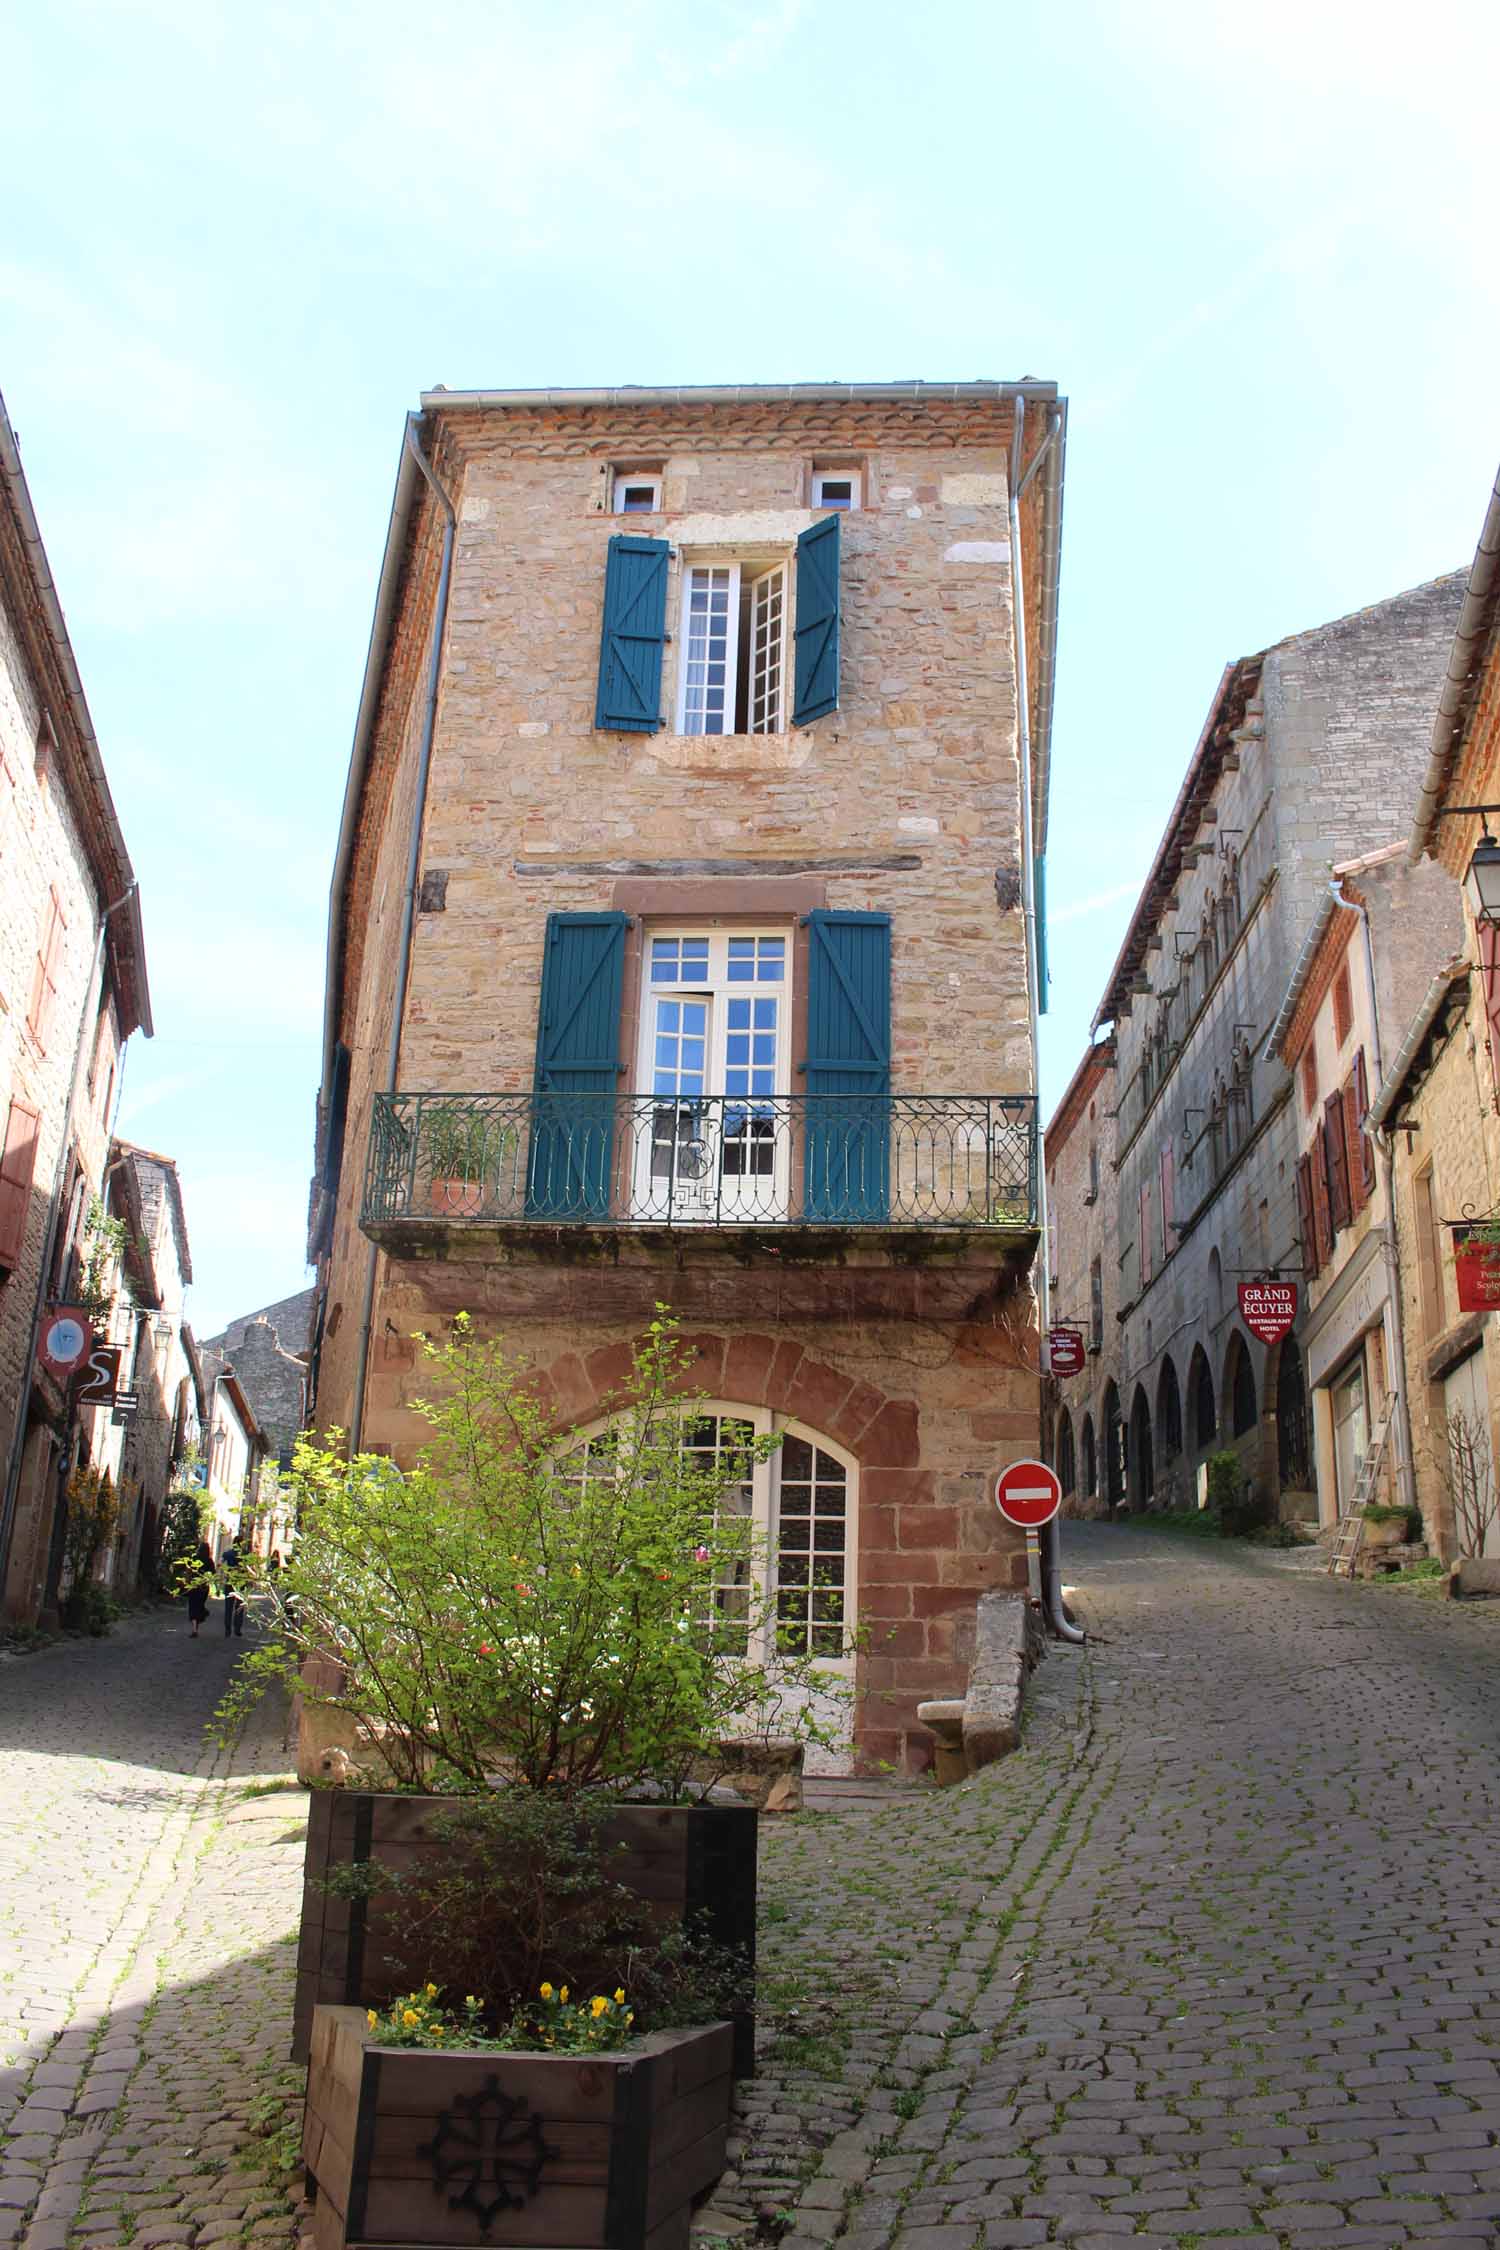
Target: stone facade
(1309, 758)
(1084, 1265)
(1439, 1108)
(912, 1357)
(68, 1002)
(1350, 1002)
(268, 1351)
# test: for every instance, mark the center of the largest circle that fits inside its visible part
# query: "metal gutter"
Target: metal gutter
(741, 394)
(1302, 970)
(115, 881)
(1476, 622)
(1389, 1092)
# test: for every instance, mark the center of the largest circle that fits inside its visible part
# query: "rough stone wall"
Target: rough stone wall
(907, 796)
(291, 1317)
(1328, 761)
(40, 848)
(273, 1380)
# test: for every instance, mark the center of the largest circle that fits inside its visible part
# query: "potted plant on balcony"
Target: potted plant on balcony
(461, 1150)
(592, 1625)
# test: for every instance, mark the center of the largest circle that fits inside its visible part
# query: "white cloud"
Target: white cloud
(1094, 903)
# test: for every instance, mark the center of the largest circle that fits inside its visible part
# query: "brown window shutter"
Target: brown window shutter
(17, 1168)
(1359, 1194)
(1305, 1216)
(1338, 1161)
(44, 984)
(1489, 984)
(1362, 1108)
(1322, 1222)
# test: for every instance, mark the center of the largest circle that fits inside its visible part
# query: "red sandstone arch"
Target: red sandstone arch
(757, 1370)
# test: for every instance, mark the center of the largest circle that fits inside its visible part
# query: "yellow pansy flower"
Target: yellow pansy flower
(620, 1996)
(563, 1995)
(432, 1992)
(409, 2017)
(597, 2005)
(546, 1992)
(371, 2018)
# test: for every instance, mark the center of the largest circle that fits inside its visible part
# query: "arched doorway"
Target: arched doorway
(1238, 1389)
(1090, 1459)
(1294, 1467)
(1202, 1402)
(1114, 1447)
(1169, 1431)
(1067, 1474)
(1142, 1465)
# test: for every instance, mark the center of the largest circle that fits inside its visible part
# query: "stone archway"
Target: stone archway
(1169, 1434)
(1113, 1432)
(1142, 1482)
(1237, 1403)
(1203, 1403)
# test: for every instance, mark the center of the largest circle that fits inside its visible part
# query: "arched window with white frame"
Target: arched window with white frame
(802, 1505)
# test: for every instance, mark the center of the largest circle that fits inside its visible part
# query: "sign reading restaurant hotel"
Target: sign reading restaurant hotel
(1476, 1268)
(1268, 1308)
(1065, 1354)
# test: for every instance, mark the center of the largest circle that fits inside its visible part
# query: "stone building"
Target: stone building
(678, 951)
(1362, 972)
(1079, 1151)
(147, 1324)
(1439, 1105)
(72, 990)
(268, 1351)
(1308, 758)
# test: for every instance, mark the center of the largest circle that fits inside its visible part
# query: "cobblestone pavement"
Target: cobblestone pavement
(147, 1912)
(1214, 1958)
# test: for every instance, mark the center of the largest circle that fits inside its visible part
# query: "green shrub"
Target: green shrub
(513, 1606)
(1239, 1508)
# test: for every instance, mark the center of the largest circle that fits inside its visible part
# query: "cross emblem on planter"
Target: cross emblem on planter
(492, 2147)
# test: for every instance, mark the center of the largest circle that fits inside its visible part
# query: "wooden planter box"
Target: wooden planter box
(690, 1863)
(593, 2152)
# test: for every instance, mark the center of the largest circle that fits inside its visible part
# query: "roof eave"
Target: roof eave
(1476, 624)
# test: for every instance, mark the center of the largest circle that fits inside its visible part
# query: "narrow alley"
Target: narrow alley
(1215, 1956)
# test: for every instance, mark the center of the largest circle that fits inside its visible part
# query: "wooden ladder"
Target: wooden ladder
(1351, 1527)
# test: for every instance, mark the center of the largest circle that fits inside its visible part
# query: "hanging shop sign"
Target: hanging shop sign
(1065, 1354)
(65, 1341)
(100, 1379)
(1268, 1308)
(1476, 1267)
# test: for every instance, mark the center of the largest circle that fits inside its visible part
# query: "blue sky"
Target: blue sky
(1253, 246)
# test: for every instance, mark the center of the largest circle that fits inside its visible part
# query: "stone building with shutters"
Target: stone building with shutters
(1079, 1154)
(678, 953)
(1438, 1106)
(1359, 979)
(72, 990)
(1308, 759)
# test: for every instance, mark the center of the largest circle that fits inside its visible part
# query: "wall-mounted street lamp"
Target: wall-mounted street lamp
(1482, 883)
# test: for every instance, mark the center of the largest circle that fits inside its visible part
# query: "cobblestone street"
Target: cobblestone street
(1216, 1956)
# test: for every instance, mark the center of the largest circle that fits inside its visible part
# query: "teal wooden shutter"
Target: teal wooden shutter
(817, 627)
(846, 1166)
(635, 627)
(568, 1172)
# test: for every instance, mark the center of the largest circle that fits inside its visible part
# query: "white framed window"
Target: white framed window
(733, 631)
(836, 488)
(802, 1506)
(713, 1145)
(636, 492)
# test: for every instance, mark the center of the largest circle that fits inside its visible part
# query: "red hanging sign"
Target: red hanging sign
(1268, 1308)
(1065, 1354)
(1476, 1268)
(66, 1340)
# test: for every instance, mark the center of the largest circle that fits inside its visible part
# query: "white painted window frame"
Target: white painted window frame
(852, 477)
(634, 479)
(744, 573)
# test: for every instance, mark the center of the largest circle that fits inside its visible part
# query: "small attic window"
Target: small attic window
(636, 492)
(836, 488)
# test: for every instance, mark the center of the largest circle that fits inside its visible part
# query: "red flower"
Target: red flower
(486, 1648)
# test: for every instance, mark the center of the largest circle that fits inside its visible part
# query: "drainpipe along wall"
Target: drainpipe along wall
(1048, 1541)
(1396, 1355)
(409, 895)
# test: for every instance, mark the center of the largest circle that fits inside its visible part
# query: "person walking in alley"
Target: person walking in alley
(234, 1606)
(200, 1585)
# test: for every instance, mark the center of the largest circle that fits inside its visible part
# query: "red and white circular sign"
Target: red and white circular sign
(1028, 1494)
(66, 1340)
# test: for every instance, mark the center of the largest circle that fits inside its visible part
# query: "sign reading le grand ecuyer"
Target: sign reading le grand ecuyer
(1268, 1308)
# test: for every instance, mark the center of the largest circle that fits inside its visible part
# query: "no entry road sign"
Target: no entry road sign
(1028, 1494)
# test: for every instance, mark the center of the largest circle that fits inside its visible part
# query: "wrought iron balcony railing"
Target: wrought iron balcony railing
(865, 1160)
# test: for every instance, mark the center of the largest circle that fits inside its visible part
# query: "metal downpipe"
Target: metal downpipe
(408, 899)
(1049, 1544)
